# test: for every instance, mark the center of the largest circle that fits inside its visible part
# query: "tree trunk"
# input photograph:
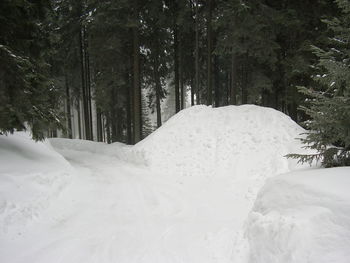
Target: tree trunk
(176, 68)
(181, 78)
(79, 118)
(128, 106)
(99, 125)
(197, 56)
(209, 58)
(245, 75)
(83, 83)
(69, 116)
(158, 92)
(136, 84)
(192, 92)
(216, 81)
(233, 90)
(88, 84)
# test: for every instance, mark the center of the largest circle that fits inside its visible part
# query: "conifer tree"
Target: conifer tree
(329, 103)
(27, 95)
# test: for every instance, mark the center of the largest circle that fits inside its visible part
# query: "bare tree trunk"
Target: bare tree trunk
(245, 75)
(137, 121)
(192, 92)
(216, 81)
(68, 115)
(181, 78)
(197, 56)
(233, 92)
(83, 83)
(88, 84)
(209, 58)
(158, 92)
(176, 68)
(128, 105)
(79, 118)
(99, 125)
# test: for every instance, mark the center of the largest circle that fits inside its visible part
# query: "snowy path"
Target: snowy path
(114, 212)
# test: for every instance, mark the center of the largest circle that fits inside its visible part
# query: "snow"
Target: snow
(301, 217)
(187, 193)
(31, 175)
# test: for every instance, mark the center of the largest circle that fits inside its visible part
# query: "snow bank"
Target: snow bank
(219, 141)
(302, 217)
(31, 175)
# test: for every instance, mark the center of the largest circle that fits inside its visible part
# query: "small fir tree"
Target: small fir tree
(329, 107)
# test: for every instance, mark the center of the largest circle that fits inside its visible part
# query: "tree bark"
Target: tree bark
(233, 91)
(69, 116)
(83, 84)
(158, 91)
(99, 125)
(137, 123)
(88, 84)
(181, 78)
(176, 67)
(197, 56)
(209, 51)
(79, 118)
(216, 81)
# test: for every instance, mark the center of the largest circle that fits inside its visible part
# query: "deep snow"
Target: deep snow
(184, 194)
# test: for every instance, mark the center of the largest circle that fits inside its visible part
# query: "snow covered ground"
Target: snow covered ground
(187, 193)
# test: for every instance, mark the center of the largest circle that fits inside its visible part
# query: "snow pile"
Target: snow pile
(302, 217)
(219, 141)
(31, 175)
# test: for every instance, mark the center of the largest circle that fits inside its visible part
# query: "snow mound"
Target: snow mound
(32, 173)
(221, 141)
(302, 217)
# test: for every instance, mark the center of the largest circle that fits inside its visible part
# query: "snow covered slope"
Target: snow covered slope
(233, 140)
(31, 174)
(188, 199)
(302, 217)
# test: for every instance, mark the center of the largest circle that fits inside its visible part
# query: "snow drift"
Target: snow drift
(191, 198)
(31, 175)
(235, 140)
(302, 217)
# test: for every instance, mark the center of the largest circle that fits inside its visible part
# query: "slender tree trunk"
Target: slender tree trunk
(216, 81)
(99, 125)
(233, 100)
(158, 91)
(88, 84)
(136, 83)
(128, 106)
(79, 118)
(192, 92)
(69, 115)
(209, 51)
(176, 68)
(245, 75)
(197, 56)
(181, 77)
(83, 81)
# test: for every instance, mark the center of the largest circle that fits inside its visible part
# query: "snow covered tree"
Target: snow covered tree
(27, 95)
(329, 107)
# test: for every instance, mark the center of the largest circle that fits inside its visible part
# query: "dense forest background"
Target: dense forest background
(96, 70)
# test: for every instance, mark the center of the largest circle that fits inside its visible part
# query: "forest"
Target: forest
(162, 131)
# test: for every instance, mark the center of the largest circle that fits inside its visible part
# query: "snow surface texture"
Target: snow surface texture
(202, 141)
(184, 194)
(302, 217)
(31, 174)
